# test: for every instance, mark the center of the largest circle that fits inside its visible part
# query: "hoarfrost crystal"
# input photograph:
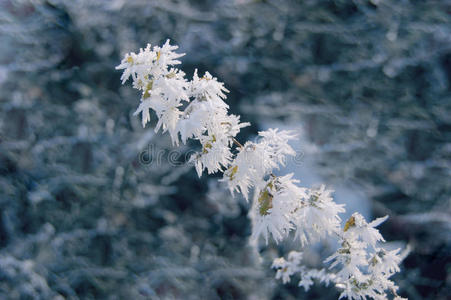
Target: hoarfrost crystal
(196, 110)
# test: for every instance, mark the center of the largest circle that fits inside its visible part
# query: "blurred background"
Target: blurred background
(87, 212)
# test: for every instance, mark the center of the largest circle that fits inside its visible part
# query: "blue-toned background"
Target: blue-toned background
(87, 211)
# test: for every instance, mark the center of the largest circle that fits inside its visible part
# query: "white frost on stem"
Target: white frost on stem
(280, 205)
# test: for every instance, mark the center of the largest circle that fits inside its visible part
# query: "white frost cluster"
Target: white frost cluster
(287, 268)
(196, 110)
(364, 268)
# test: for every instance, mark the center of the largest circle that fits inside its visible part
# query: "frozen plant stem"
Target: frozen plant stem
(360, 268)
(235, 141)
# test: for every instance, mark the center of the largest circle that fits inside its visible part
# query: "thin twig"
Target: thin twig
(235, 141)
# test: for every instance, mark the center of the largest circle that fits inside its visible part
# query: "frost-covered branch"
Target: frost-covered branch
(196, 110)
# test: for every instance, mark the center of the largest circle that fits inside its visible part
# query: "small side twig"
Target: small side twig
(235, 141)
